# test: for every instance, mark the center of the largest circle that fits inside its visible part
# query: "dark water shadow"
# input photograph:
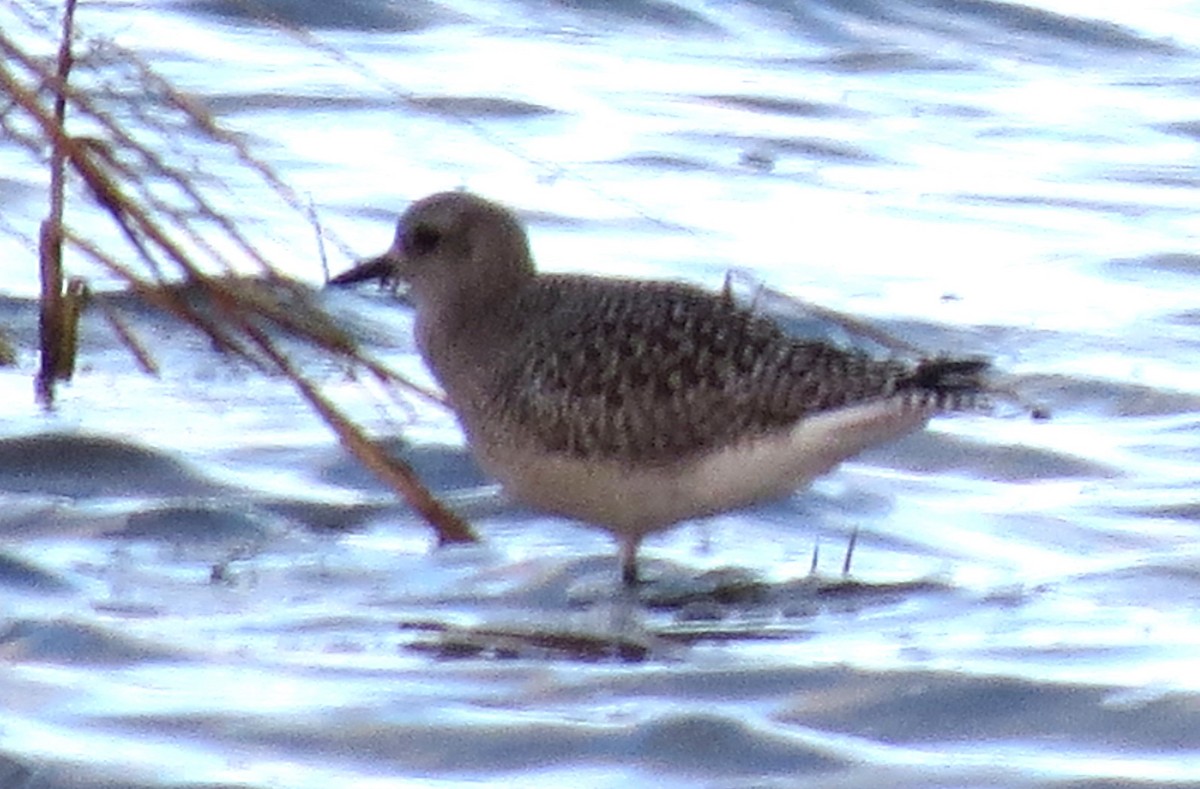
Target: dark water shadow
(89, 466)
(366, 15)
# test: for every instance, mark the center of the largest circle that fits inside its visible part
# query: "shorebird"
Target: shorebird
(633, 405)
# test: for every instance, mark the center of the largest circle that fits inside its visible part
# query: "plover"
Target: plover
(633, 405)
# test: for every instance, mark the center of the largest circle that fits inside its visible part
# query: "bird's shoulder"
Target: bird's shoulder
(619, 321)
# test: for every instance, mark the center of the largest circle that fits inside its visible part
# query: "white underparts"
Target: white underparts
(633, 500)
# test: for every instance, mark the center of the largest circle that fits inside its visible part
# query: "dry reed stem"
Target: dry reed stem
(139, 227)
(169, 300)
(155, 86)
(548, 171)
(208, 125)
(8, 353)
(449, 527)
(145, 360)
(74, 302)
(849, 323)
(56, 322)
(236, 306)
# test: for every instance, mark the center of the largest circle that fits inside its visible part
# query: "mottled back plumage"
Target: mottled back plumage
(649, 372)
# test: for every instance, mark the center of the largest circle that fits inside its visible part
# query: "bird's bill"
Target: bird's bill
(382, 268)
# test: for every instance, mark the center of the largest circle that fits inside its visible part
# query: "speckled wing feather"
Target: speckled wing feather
(654, 372)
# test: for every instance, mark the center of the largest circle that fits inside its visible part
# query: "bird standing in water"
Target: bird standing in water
(633, 405)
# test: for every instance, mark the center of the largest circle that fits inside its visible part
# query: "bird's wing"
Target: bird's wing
(658, 372)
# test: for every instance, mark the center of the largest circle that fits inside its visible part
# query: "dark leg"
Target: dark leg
(629, 548)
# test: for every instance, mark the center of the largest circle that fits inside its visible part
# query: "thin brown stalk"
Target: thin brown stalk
(233, 313)
(315, 221)
(57, 357)
(74, 301)
(153, 83)
(449, 527)
(169, 300)
(8, 354)
(204, 120)
(145, 360)
(849, 323)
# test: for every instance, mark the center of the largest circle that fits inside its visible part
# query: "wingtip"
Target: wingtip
(947, 374)
(952, 384)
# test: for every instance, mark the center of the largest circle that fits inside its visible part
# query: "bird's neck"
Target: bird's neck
(462, 332)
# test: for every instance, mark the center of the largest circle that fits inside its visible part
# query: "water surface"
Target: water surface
(200, 588)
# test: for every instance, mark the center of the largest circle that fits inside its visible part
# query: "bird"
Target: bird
(633, 405)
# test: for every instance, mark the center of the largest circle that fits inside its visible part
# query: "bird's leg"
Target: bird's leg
(629, 548)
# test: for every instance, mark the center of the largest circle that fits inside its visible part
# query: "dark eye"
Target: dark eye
(422, 240)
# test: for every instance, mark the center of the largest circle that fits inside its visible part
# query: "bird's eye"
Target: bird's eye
(422, 240)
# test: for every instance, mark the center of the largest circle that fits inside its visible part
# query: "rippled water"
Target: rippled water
(197, 587)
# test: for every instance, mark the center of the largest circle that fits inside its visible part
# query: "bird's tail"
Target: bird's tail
(948, 384)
